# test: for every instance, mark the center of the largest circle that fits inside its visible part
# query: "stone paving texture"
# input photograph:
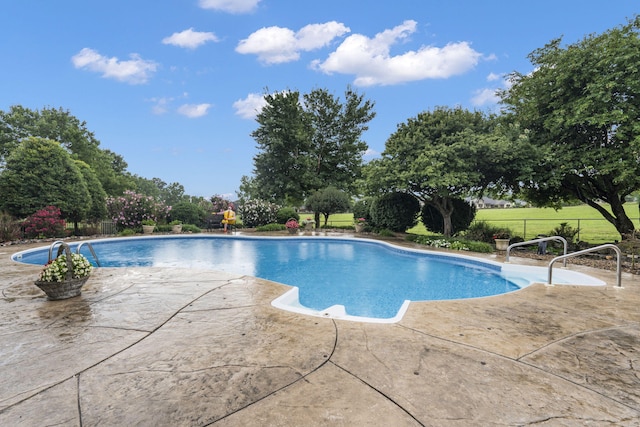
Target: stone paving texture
(156, 347)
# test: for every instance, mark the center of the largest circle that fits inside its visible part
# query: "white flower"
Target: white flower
(56, 271)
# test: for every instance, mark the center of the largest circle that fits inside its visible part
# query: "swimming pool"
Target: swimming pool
(347, 278)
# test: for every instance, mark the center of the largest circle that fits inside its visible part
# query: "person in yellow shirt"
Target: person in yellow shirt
(229, 217)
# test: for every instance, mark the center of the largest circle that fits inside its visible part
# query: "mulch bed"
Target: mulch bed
(595, 261)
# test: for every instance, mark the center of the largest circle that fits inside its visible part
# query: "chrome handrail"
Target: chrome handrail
(53, 245)
(542, 239)
(594, 249)
(91, 250)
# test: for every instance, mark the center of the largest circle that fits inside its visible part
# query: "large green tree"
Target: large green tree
(40, 173)
(442, 155)
(580, 108)
(71, 133)
(309, 143)
(98, 197)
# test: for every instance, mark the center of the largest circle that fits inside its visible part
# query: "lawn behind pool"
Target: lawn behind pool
(529, 222)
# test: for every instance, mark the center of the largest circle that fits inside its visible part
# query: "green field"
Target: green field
(529, 222)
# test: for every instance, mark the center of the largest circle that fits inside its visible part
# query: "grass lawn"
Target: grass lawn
(529, 222)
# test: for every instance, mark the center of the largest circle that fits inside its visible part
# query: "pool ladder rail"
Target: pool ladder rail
(65, 247)
(565, 255)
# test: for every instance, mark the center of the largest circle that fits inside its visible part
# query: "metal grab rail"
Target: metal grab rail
(594, 249)
(542, 239)
(53, 245)
(65, 247)
(91, 250)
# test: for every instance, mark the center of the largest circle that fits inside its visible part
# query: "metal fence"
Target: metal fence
(594, 229)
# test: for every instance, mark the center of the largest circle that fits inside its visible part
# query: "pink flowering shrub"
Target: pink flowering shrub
(130, 209)
(46, 222)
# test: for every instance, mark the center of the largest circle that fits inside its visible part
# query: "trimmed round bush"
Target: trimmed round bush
(188, 213)
(395, 211)
(285, 213)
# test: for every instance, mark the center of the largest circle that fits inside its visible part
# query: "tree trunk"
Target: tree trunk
(445, 207)
(618, 217)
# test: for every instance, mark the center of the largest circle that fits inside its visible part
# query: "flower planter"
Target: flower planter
(292, 230)
(177, 229)
(502, 244)
(62, 290)
(310, 226)
(359, 228)
(148, 229)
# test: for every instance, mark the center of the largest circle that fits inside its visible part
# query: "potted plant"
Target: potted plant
(148, 225)
(64, 276)
(176, 226)
(502, 240)
(359, 224)
(309, 223)
(292, 225)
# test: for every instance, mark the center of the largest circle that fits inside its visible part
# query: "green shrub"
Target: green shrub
(461, 217)
(127, 232)
(385, 232)
(188, 213)
(285, 213)
(395, 211)
(565, 230)
(271, 227)
(482, 231)
(191, 228)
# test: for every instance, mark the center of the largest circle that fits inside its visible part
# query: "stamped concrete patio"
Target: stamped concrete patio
(169, 347)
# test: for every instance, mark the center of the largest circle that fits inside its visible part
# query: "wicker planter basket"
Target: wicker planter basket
(69, 287)
(62, 290)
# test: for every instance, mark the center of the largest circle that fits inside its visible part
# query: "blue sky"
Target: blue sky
(173, 85)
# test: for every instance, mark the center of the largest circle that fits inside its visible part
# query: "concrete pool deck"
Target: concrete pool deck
(152, 346)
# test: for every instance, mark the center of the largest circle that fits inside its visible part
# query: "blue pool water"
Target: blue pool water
(369, 279)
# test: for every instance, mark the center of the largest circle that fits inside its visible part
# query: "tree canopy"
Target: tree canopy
(307, 144)
(71, 133)
(40, 173)
(580, 109)
(442, 155)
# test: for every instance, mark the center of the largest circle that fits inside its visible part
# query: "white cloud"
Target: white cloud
(189, 39)
(194, 110)
(484, 97)
(492, 77)
(275, 45)
(160, 105)
(134, 71)
(370, 60)
(231, 6)
(249, 107)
